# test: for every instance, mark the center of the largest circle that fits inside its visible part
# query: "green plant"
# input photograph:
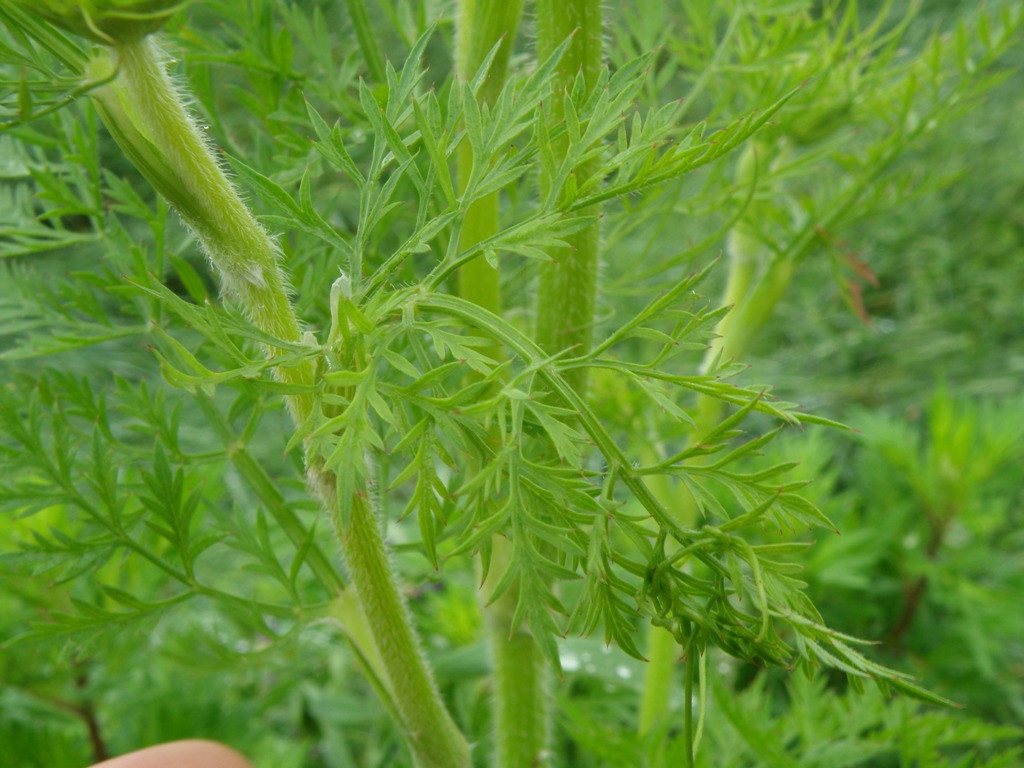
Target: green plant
(938, 489)
(416, 383)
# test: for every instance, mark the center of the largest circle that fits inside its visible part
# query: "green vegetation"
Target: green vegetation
(373, 394)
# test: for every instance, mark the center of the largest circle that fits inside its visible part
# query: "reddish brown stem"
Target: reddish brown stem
(914, 593)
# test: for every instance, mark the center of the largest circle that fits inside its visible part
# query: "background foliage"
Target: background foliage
(904, 323)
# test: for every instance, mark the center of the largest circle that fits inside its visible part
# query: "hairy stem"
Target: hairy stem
(433, 737)
(567, 289)
(520, 674)
(146, 115)
(521, 696)
(481, 25)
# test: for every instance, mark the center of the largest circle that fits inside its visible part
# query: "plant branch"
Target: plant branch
(146, 116)
(433, 736)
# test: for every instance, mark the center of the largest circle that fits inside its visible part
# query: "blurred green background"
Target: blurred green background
(927, 492)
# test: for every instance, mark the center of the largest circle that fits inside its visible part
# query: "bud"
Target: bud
(108, 22)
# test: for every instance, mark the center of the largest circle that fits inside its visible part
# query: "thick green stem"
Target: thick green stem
(481, 25)
(145, 113)
(146, 116)
(520, 673)
(754, 285)
(478, 281)
(566, 301)
(662, 654)
(433, 737)
(748, 318)
(567, 289)
(662, 649)
(738, 330)
(521, 708)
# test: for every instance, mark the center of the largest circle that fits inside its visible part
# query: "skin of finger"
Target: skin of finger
(180, 754)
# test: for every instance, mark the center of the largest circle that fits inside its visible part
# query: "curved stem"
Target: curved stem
(520, 694)
(146, 115)
(433, 737)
